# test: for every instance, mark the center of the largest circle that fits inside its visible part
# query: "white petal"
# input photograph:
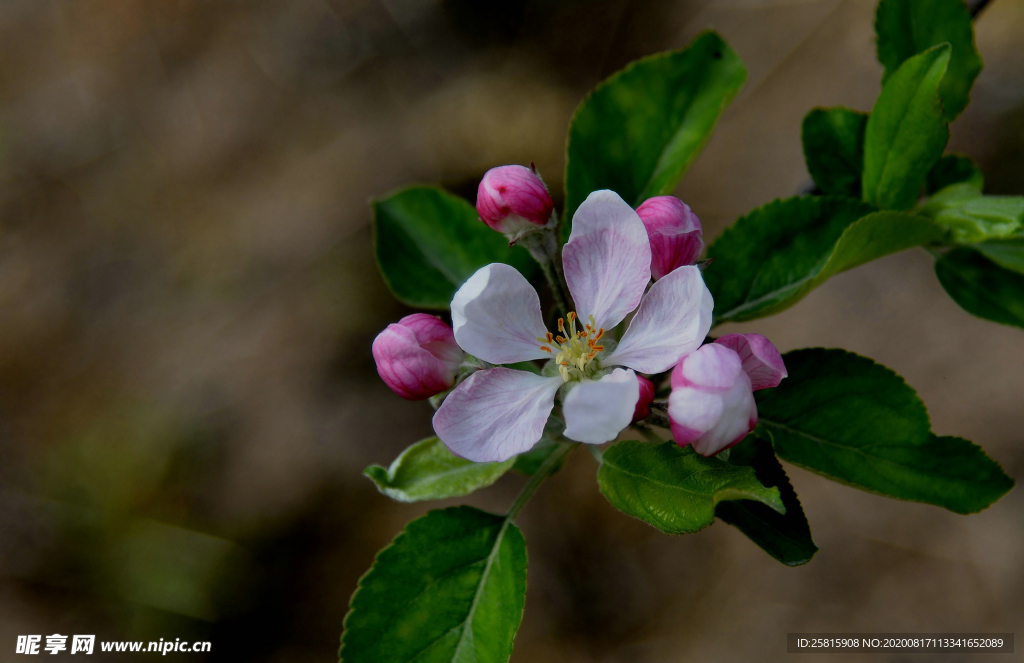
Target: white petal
(496, 316)
(712, 402)
(596, 411)
(673, 320)
(496, 414)
(607, 259)
(695, 409)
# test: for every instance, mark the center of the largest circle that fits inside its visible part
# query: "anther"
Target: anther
(546, 348)
(561, 325)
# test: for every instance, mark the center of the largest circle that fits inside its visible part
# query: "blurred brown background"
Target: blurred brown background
(188, 296)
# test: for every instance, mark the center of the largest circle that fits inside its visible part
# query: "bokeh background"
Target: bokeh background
(188, 296)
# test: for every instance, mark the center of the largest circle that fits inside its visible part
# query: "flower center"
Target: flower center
(575, 350)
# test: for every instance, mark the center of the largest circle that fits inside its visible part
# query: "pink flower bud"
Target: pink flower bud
(761, 359)
(712, 402)
(512, 199)
(675, 233)
(417, 357)
(643, 404)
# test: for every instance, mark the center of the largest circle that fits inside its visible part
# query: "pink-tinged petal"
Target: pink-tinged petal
(683, 435)
(496, 414)
(712, 402)
(433, 334)
(711, 368)
(675, 233)
(643, 403)
(417, 357)
(695, 411)
(673, 319)
(511, 199)
(496, 315)
(737, 417)
(596, 411)
(607, 259)
(761, 359)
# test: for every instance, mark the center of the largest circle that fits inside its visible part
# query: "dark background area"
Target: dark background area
(188, 297)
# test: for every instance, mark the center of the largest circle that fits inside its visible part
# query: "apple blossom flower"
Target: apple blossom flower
(712, 402)
(418, 357)
(500, 412)
(675, 233)
(513, 200)
(643, 404)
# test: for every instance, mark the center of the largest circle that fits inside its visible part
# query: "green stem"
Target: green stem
(556, 262)
(542, 473)
(554, 284)
(648, 434)
(657, 418)
(545, 247)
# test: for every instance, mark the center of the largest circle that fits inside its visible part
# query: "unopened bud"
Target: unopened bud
(643, 404)
(712, 402)
(675, 233)
(513, 200)
(418, 357)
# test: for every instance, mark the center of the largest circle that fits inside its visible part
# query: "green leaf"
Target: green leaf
(981, 287)
(908, 27)
(451, 587)
(954, 169)
(1008, 254)
(786, 537)
(971, 217)
(675, 489)
(771, 258)
(428, 471)
(639, 130)
(906, 132)
(429, 242)
(833, 140)
(857, 422)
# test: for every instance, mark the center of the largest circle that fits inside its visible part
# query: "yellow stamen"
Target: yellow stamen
(574, 349)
